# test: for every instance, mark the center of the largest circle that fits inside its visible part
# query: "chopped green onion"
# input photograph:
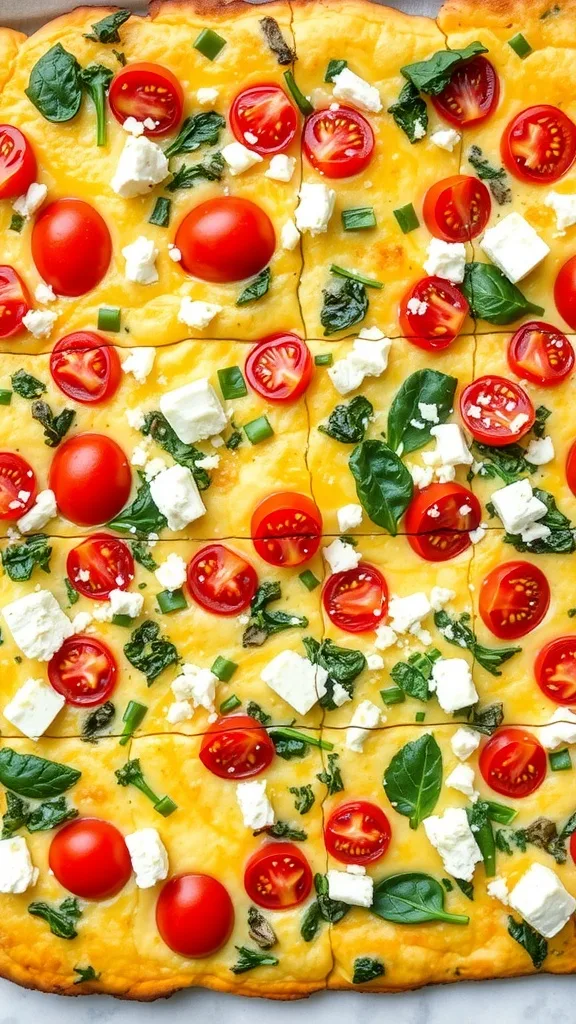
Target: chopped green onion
(358, 218)
(224, 669)
(393, 695)
(353, 276)
(17, 222)
(132, 718)
(161, 213)
(122, 620)
(258, 430)
(5, 397)
(520, 45)
(230, 704)
(232, 383)
(419, 716)
(309, 580)
(171, 601)
(109, 318)
(560, 760)
(325, 359)
(294, 734)
(165, 806)
(209, 43)
(500, 813)
(407, 218)
(304, 105)
(334, 68)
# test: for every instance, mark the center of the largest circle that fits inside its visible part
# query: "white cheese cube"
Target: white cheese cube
(368, 358)
(541, 899)
(40, 322)
(446, 259)
(171, 574)
(349, 516)
(296, 680)
(257, 811)
(281, 167)
(564, 207)
(365, 718)
(465, 741)
(207, 95)
(175, 493)
(34, 707)
(462, 779)
(44, 293)
(27, 204)
(315, 207)
(139, 363)
(197, 314)
(43, 509)
(16, 871)
(407, 612)
(239, 158)
(535, 532)
(197, 685)
(38, 625)
(445, 138)
(452, 836)
(289, 236)
(141, 166)
(194, 411)
(561, 729)
(353, 887)
(498, 890)
(451, 680)
(140, 258)
(149, 857)
(514, 246)
(122, 602)
(540, 451)
(353, 89)
(341, 556)
(517, 506)
(451, 446)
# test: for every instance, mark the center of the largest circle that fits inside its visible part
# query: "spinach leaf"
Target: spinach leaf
(157, 427)
(331, 776)
(14, 816)
(27, 386)
(55, 87)
(106, 30)
(197, 130)
(248, 959)
(335, 66)
(96, 80)
(412, 898)
(55, 427)
(284, 830)
(422, 386)
(71, 591)
(142, 515)
(535, 945)
(413, 779)
(413, 676)
(49, 815)
(19, 559)
(562, 538)
(541, 833)
(487, 719)
(459, 633)
(255, 711)
(508, 462)
(211, 169)
(492, 297)
(96, 721)
(383, 484)
(342, 664)
(304, 798)
(86, 974)
(149, 652)
(289, 747)
(481, 827)
(345, 304)
(495, 176)
(466, 887)
(256, 289)
(264, 623)
(366, 968)
(62, 919)
(273, 36)
(141, 553)
(433, 75)
(348, 422)
(410, 113)
(322, 909)
(33, 776)
(260, 930)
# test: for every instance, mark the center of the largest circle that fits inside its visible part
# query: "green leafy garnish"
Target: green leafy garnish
(342, 664)
(322, 909)
(413, 676)
(96, 80)
(481, 827)
(304, 798)
(335, 66)
(142, 516)
(459, 633)
(495, 176)
(383, 484)
(433, 75)
(412, 898)
(55, 427)
(284, 830)
(260, 930)
(141, 553)
(256, 289)
(19, 559)
(149, 652)
(348, 422)
(27, 386)
(264, 623)
(211, 169)
(255, 711)
(55, 86)
(198, 130)
(331, 775)
(410, 113)
(488, 718)
(248, 959)
(35, 777)
(106, 30)
(62, 919)
(413, 779)
(131, 775)
(366, 968)
(345, 304)
(273, 36)
(423, 386)
(97, 721)
(41, 818)
(535, 945)
(86, 974)
(157, 427)
(492, 297)
(71, 592)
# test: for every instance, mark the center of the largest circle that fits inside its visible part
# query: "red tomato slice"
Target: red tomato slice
(286, 528)
(439, 519)
(565, 292)
(89, 857)
(571, 468)
(496, 411)
(85, 367)
(14, 302)
(221, 581)
(539, 144)
(91, 479)
(144, 90)
(263, 111)
(555, 670)
(225, 239)
(356, 600)
(71, 246)
(279, 367)
(573, 846)
(17, 486)
(278, 876)
(513, 763)
(514, 598)
(17, 162)
(338, 143)
(457, 209)
(83, 671)
(540, 353)
(357, 833)
(471, 95)
(432, 313)
(99, 565)
(194, 915)
(236, 747)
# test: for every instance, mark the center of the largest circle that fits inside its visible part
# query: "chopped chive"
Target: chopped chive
(304, 105)
(358, 218)
(109, 318)
(132, 718)
(500, 813)
(420, 716)
(230, 704)
(258, 430)
(209, 43)
(171, 601)
(393, 695)
(560, 760)
(17, 222)
(5, 397)
(161, 213)
(223, 669)
(334, 68)
(122, 620)
(294, 734)
(407, 218)
(325, 359)
(520, 45)
(232, 383)
(353, 276)
(309, 580)
(165, 806)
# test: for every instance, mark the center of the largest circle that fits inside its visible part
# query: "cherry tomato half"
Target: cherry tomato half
(17, 162)
(432, 313)
(565, 292)
(236, 747)
(439, 519)
(514, 598)
(357, 833)
(14, 302)
(144, 90)
(83, 671)
(513, 763)
(71, 246)
(280, 367)
(91, 479)
(278, 876)
(570, 468)
(496, 411)
(225, 239)
(89, 857)
(457, 209)
(555, 670)
(99, 565)
(356, 600)
(286, 528)
(17, 486)
(338, 143)
(194, 915)
(539, 144)
(540, 353)
(471, 95)
(265, 113)
(221, 581)
(85, 367)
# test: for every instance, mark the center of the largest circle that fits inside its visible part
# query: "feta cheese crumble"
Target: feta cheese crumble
(462, 779)
(139, 363)
(341, 556)
(194, 411)
(38, 625)
(197, 314)
(281, 167)
(257, 811)
(514, 247)
(31, 201)
(315, 207)
(149, 857)
(541, 899)
(349, 517)
(446, 259)
(564, 207)
(140, 258)
(296, 680)
(171, 574)
(239, 158)
(34, 707)
(43, 509)
(465, 741)
(40, 322)
(141, 166)
(519, 508)
(368, 358)
(352, 886)
(451, 681)
(365, 718)
(175, 493)
(451, 835)
(16, 871)
(445, 138)
(352, 89)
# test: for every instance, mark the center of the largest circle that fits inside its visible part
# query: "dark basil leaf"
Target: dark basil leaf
(331, 776)
(304, 798)
(458, 632)
(311, 922)
(86, 974)
(335, 66)
(157, 427)
(248, 959)
(149, 652)
(106, 30)
(55, 427)
(288, 747)
(62, 919)
(27, 386)
(561, 540)
(413, 676)
(143, 514)
(19, 559)
(141, 553)
(50, 815)
(276, 41)
(383, 484)
(284, 830)
(323, 909)
(71, 591)
(14, 816)
(97, 720)
(366, 968)
(534, 944)
(348, 422)
(198, 130)
(542, 415)
(255, 711)
(410, 113)
(341, 663)
(412, 898)
(508, 462)
(492, 297)
(211, 169)
(33, 776)
(481, 826)
(345, 304)
(413, 779)
(264, 623)
(487, 719)
(495, 176)
(466, 887)
(256, 289)
(55, 87)
(433, 75)
(422, 386)
(260, 930)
